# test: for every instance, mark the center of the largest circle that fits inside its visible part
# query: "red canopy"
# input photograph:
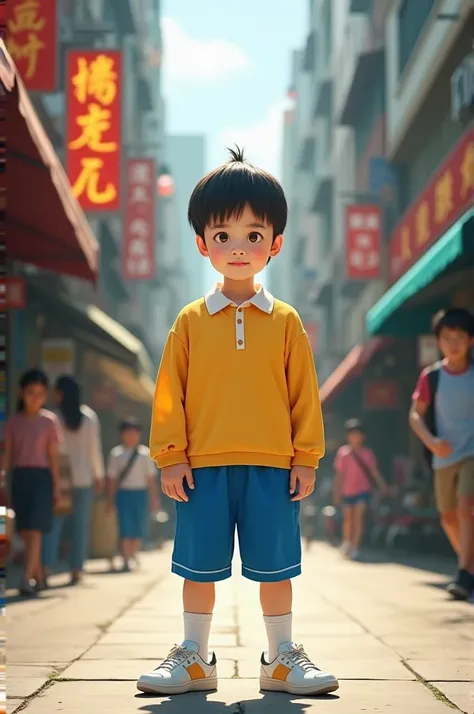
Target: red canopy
(351, 366)
(45, 226)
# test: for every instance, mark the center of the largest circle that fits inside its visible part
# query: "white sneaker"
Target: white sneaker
(293, 672)
(346, 549)
(182, 671)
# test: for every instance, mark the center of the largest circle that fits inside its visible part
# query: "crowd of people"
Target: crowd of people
(54, 463)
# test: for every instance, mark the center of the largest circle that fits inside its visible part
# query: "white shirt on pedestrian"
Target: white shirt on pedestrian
(83, 447)
(142, 470)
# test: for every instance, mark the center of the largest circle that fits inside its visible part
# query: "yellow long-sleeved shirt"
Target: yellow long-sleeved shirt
(237, 386)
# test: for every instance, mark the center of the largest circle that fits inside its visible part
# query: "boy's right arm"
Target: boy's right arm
(168, 438)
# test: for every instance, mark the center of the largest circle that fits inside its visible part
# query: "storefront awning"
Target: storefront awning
(45, 225)
(350, 367)
(441, 256)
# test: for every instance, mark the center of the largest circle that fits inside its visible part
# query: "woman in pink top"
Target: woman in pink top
(356, 467)
(32, 437)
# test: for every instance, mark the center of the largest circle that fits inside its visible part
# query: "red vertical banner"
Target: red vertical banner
(94, 127)
(32, 41)
(139, 223)
(363, 242)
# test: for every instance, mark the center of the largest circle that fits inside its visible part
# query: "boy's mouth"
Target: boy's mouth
(239, 264)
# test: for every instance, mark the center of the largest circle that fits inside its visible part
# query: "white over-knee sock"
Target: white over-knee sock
(278, 631)
(196, 629)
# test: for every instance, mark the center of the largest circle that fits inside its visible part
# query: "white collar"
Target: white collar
(216, 300)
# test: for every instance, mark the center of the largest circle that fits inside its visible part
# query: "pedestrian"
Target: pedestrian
(355, 469)
(442, 416)
(131, 485)
(83, 450)
(237, 432)
(32, 438)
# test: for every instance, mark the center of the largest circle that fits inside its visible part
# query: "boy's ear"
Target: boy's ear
(202, 247)
(277, 246)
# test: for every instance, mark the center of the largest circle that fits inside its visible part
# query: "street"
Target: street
(388, 631)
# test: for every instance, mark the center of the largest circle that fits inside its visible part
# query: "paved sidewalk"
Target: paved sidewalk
(389, 632)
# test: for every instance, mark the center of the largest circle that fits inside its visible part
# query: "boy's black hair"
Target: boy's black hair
(225, 191)
(130, 423)
(454, 318)
(31, 376)
(354, 425)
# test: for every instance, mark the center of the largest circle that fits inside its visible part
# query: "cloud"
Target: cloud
(262, 140)
(187, 57)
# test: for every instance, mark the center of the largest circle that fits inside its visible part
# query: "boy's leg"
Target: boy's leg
(276, 601)
(446, 502)
(347, 525)
(359, 511)
(463, 587)
(198, 604)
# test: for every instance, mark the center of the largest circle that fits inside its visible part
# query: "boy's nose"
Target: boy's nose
(238, 251)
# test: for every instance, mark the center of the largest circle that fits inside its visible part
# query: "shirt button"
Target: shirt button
(239, 322)
(240, 342)
(239, 309)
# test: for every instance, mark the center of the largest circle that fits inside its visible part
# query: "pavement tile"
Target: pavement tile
(459, 693)
(438, 670)
(159, 638)
(351, 698)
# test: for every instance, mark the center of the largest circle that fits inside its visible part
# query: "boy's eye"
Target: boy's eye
(221, 237)
(255, 237)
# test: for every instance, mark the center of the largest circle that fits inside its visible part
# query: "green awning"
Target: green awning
(436, 260)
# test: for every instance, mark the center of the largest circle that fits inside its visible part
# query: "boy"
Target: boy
(356, 467)
(237, 432)
(131, 483)
(442, 416)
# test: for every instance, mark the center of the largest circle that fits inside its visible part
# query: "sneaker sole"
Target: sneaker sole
(457, 592)
(196, 685)
(275, 685)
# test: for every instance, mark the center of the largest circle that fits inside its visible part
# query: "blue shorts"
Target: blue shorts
(256, 500)
(132, 508)
(363, 497)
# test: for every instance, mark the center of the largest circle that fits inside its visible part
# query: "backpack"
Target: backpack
(430, 416)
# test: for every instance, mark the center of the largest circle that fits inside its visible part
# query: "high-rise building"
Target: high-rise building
(185, 156)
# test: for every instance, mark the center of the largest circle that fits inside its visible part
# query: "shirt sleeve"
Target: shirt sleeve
(168, 438)
(55, 435)
(422, 390)
(95, 446)
(305, 406)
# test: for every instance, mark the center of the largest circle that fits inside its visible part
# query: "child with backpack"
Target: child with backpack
(442, 416)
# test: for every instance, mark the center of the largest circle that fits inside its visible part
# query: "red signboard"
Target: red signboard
(139, 223)
(12, 293)
(381, 394)
(93, 127)
(32, 41)
(363, 240)
(448, 195)
(312, 332)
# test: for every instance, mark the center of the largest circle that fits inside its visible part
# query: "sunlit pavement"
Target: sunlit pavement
(388, 631)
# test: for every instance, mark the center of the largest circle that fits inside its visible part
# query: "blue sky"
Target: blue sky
(227, 70)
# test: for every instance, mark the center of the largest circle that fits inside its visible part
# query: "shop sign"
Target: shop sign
(104, 396)
(448, 195)
(381, 394)
(12, 293)
(32, 41)
(139, 224)
(312, 330)
(428, 350)
(57, 357)
(93, 127)
(462, 88)
(363, 241)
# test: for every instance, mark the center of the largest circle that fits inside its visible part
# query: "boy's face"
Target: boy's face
(454, 344)
(130, 438)
(239, 248)
(355, 438)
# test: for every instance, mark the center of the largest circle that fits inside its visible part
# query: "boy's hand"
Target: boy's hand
(172, 478)
(441, 448)
(303, 477)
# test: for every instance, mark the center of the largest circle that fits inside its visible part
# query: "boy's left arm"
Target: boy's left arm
(306, 418)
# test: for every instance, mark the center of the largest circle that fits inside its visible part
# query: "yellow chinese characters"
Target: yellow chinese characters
(444, 196)
(96, 79)
(88, 183)
(94, 124)
(422, 220)
(26, 19)
(405, 244)
(467, 172)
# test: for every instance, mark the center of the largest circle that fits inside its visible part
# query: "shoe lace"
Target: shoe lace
(298, 656)
(176, 657)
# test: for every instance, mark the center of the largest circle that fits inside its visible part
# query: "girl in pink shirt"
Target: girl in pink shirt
(356, 467)
(32, 437)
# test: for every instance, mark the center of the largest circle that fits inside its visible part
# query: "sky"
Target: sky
(226, 72)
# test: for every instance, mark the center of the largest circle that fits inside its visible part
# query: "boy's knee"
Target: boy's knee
(466, 508)
(449, 518)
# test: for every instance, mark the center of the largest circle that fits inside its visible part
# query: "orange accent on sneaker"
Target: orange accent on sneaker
(195, 671)
(281, 672)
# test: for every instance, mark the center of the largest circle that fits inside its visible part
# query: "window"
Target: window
(412, 17)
